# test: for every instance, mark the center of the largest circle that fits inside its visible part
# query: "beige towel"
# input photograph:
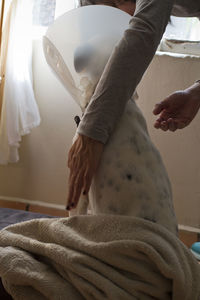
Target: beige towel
(96, 257)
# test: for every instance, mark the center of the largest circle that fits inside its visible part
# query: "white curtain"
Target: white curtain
(19, 109)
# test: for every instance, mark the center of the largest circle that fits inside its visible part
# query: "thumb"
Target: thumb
(161, 106)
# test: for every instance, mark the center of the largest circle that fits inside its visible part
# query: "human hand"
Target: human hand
(178, 109)
(83, 160)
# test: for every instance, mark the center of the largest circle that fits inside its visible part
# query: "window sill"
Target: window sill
(179, 48)
(177, 55)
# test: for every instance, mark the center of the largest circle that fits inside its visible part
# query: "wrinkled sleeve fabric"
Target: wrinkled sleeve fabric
(125, 68)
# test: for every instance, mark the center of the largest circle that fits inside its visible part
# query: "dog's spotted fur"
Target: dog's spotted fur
(131, 179)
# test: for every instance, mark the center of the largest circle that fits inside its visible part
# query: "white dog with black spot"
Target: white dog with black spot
(131, 179)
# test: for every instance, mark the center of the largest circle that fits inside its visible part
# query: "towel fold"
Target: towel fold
(96, 257)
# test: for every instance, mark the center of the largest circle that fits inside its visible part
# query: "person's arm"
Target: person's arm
(125, 68)
(122, 74)
(179, 109)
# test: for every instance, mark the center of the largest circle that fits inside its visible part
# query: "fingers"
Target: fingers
(70, 155)
(160, 106)
(79, 182)
(74, 190)
(75, 182)
(172, 125)
(157, 125)
(164, 126)
(78, 185)
(173, 114)
(87, 182)
(161, 123)
(83, 160)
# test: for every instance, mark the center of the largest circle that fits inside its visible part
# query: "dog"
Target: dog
(131, 179)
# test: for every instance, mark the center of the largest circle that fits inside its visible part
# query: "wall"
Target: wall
(180, 149)
(42, 171)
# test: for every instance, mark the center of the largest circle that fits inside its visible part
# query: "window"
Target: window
(63, 6)
(46, 11)
(187, 29)
(43, 12)
(182, 36)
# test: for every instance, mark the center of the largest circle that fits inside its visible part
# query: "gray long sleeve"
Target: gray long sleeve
(125, 68)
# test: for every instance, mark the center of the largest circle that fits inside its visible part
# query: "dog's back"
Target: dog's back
(131, 179)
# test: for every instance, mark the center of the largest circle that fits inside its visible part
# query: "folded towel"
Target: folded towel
(96, 257)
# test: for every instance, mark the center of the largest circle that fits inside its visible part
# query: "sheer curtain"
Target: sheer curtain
(19, 112)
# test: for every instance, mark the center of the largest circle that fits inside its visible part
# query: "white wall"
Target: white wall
(180, 149)
(42, 171)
